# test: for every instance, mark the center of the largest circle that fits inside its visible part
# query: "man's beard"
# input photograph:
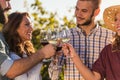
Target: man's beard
(3, 17)
(88, 21)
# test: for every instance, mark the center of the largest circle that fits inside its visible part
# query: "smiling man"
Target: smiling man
(88, 37)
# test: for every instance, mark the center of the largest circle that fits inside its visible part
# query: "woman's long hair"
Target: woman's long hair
(116, 43)
(12, 37)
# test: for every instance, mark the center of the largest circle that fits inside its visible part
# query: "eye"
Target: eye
(76, 8)
(84, 10)
(28, 24)
(115, 20)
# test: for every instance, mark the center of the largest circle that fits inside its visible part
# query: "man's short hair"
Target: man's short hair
(96, 3)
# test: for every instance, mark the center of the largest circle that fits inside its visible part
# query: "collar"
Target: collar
(94, 30)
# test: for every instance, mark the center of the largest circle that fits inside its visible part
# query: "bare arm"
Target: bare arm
(22, 65)
(86, 73)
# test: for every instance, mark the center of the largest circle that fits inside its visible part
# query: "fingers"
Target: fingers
(68, 50)
(65, 49)
(49, 50)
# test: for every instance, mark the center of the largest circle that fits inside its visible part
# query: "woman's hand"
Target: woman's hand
(68, 50)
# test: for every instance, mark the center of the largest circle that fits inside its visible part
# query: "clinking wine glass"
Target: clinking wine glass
(52, 37)
(65, 36)
(55, 39)
(54, 67)
(44, 41)
(44, 37)
(58, 37)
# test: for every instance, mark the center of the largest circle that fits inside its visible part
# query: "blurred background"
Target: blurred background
(50, 14)
(59, 6)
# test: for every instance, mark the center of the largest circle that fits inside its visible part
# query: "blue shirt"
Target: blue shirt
(5, 61)
(32, 74)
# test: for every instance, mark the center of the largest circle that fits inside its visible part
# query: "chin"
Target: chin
(28, 39)
(79, 23)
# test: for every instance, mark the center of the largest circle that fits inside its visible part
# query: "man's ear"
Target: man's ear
(96, 12)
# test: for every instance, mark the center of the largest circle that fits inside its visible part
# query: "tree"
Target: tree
(44, 20)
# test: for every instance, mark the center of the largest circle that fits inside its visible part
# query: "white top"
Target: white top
(32, 74)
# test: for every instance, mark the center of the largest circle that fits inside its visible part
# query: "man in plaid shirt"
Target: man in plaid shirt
(88, 38)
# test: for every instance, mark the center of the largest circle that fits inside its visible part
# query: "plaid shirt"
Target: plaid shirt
(88, 48)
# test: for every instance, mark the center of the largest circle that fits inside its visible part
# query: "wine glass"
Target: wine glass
(44, 41)
(44, 37)
(65, 34)
(54, 67)
(57, 38)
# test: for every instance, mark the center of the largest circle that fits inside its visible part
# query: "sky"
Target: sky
(60, 6)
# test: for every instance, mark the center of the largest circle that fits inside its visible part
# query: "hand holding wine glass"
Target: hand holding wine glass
(44, 41)
(44, 37)
(58, 37)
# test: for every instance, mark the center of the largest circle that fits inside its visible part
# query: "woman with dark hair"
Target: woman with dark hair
(9, 68)
(18, 34)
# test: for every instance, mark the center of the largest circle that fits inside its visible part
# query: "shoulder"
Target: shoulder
(3, 44)
(109, 46)
(108, 30)
(1, 36)
(107, 49)
(75, 29)
(2, 39)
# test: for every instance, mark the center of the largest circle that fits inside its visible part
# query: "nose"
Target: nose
(78, 13)
(117, 22)
(31, 28)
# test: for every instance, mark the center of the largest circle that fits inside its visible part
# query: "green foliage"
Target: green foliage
(44, 71)
(44, 20)
(1, 26)
(36, 38)
(69, 23)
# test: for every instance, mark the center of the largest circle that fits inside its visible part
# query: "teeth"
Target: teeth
(29, 33)
(118, 27)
